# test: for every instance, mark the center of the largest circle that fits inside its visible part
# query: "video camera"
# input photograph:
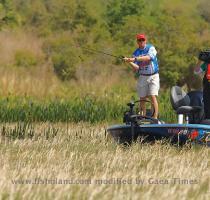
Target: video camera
(205, 55)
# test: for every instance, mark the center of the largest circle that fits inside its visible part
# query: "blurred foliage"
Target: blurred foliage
(178, 29)
(25, 58)
(203, 8)
(8, 15)
(117, 11)
(64, 56)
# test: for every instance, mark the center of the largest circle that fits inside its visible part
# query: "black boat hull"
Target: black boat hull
(176, 133)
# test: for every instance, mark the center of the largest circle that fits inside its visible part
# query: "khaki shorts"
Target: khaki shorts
(148, 85)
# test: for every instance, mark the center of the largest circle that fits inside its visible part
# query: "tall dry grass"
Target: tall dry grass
(37, 80)
(41, 81)
(81, 162)
(11, 41)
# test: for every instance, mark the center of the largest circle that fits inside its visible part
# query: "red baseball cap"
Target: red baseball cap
(140, 36)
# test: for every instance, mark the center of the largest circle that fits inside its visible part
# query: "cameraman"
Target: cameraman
(204, 67)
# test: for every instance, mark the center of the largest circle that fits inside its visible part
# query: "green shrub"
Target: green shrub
(64, 66)
(63, 55)
(24, 58)
(8, 15)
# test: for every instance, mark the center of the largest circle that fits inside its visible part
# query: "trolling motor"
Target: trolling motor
(135, 120)
(131, 117)
(127, 114)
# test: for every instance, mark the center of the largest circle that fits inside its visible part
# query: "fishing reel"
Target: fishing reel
(205, 55)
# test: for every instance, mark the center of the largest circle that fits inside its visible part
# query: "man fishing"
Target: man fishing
(144, 62)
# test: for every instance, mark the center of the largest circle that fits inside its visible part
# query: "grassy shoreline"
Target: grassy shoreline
(81, 162)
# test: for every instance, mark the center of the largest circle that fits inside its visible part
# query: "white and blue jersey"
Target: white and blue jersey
(147, 67)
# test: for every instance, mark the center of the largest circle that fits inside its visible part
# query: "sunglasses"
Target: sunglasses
(140, 40)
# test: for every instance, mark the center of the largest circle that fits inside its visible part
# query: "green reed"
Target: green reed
(87, 108)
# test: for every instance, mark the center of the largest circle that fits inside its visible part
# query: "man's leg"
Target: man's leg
(153, 92)
(142, 106)
(155, 105)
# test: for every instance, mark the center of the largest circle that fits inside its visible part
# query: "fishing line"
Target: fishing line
(100, 52)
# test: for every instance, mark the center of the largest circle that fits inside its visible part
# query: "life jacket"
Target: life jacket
(208, 72)
(146, 67)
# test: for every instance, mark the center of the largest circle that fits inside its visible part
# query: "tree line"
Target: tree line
(178, 29)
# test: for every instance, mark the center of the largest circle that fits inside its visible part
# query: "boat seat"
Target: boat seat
(185, 110)
(181, 103)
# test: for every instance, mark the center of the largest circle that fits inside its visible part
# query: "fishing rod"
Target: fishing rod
(101, 52)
